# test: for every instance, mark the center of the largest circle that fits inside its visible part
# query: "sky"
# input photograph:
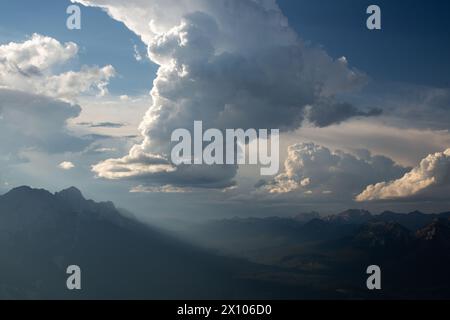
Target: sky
(363, 114)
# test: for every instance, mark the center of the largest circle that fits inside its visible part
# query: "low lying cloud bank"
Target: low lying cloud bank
(312, 170)
(433, 172)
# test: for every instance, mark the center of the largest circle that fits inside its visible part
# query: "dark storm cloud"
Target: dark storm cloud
(329, 113)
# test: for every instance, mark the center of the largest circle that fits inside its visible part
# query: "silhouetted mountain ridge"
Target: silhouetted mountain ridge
(38, 204)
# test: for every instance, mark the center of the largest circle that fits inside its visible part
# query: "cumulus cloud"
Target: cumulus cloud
(70, 84)
(231, 64)
(66, 165)
(432, 174)
(314, 170)
(37, 54)
(31, 65)
(138, 165)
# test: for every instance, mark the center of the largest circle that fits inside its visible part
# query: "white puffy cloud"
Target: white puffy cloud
(431, 174)
(231, 64)
(31, 66)
(315, 171)
(35, 55)
(66, 165)
(70, 84)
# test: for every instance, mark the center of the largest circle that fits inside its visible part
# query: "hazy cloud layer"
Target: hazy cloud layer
(231, 64)
(416, 106)
(432, 174)
(406, 105)
(159, 189)
(38, 122)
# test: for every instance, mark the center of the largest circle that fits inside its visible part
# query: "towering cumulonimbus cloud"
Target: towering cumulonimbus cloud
(230, 64)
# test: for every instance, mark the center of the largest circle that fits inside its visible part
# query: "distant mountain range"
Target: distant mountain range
(307, 256)
(412, 249)
(252, 233)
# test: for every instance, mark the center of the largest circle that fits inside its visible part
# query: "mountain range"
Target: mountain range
(252, 233)
(303, 257)
(412, 249)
